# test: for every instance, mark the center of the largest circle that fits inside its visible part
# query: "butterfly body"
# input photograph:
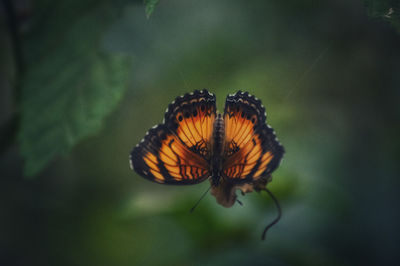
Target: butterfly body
(216, 162)
(234, 150)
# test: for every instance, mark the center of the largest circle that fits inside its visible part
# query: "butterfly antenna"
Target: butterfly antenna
(277, 218)
(197, 203)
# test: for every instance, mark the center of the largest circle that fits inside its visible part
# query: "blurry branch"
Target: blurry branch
(8, 132)
(9, 129)
(12, 22)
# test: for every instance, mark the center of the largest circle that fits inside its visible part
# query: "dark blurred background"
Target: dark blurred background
(82, 81)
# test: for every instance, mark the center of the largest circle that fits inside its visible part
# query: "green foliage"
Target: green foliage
(389, 10)
(71, 83)
(150, 6)
(327, 75)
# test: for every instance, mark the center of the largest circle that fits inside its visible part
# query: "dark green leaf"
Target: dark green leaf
(71, 83)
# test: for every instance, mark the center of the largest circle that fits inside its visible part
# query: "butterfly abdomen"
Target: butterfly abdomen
(218, 144)
(218, 135)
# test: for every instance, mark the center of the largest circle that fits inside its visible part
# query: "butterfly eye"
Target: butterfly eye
(195, 113)
(253, 120)
(180, 118)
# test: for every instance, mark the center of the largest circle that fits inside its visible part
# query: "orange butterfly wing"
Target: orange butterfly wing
(178, 151)
(251, 147)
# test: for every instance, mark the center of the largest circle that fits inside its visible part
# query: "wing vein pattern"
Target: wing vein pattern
(178, 151)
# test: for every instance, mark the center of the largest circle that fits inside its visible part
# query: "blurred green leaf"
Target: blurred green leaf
(389, 10)
(150, 6)
(71, 83)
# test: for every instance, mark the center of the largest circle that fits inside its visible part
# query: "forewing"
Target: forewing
(251, 147)
(191, 118)
(178, 151)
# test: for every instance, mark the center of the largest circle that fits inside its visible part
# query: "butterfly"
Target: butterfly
(233, 150)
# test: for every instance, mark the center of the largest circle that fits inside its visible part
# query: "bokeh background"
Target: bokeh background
(82, 81)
